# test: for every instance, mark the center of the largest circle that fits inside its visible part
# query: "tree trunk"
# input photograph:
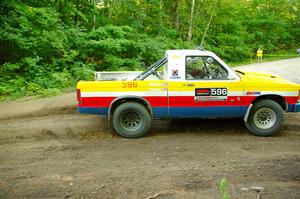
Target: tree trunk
(94, 16)
(176, 14)
(190, 33)
(76, 17)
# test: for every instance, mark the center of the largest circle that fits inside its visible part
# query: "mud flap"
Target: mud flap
(248, 112)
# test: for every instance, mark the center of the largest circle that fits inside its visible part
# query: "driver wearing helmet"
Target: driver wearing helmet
(194, 70)
(197, 73)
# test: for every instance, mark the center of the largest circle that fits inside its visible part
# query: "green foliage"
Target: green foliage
(224, 188)
(47, 46)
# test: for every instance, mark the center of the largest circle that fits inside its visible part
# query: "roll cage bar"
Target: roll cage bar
(152, 69)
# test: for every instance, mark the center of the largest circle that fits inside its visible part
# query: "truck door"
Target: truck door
(206, 92)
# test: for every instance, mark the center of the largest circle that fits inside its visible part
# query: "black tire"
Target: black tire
(265, 118)
(131, 120)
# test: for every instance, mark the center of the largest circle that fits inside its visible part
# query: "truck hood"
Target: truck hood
(265, 80)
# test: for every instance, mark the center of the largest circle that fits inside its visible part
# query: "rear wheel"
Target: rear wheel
(131, 120)
(265, 118)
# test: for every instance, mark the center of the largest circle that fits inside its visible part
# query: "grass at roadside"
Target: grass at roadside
(50, 93)
(266, 58)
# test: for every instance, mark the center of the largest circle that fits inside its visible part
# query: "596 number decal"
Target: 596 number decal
(211, 92)
(129, 85)
(218, 92)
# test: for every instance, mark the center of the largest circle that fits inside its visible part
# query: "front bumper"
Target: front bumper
(294, 107)
(297, 107)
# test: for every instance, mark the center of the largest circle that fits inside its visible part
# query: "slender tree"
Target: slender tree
(190, 33)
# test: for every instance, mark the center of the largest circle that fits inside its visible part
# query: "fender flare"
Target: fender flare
(134, 97)
(273, 97)
(248, 112)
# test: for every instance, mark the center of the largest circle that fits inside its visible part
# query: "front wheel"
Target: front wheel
(131, 120)
(265, 118)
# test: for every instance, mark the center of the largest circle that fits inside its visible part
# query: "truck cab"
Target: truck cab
(185, 65)
(200, 84)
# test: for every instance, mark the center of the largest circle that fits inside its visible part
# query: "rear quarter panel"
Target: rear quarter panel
(98, 96)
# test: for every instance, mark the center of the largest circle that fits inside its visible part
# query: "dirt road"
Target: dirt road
(287, 68)
(47, 150)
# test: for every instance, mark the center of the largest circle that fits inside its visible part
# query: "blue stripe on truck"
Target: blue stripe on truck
(175, 112)
(213, 111)
(93, 110)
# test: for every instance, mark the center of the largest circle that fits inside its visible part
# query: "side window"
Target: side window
(204, 68)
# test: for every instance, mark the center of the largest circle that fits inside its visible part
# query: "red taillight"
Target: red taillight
(78, 96)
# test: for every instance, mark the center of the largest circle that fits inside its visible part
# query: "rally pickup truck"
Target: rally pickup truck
(188, 84)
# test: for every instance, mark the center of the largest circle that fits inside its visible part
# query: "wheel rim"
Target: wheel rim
(131, 120)
(264, 118)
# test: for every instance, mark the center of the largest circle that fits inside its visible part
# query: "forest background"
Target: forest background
(46, 46)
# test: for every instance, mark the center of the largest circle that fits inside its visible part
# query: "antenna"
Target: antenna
(201, 48)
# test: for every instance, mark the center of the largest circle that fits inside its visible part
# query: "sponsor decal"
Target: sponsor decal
(176, 56)
(175, 72)
(172, 77)
(253, 93)
(154, 84)
(210, 98)
(155, 89)
(202, 92)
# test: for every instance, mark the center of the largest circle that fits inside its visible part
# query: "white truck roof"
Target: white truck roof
(189, 53)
